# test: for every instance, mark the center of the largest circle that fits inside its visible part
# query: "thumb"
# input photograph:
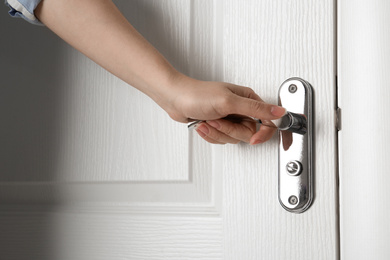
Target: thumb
(257, 109)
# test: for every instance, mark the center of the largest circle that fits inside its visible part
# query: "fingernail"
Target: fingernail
(214, 124)
(200, 133)
(204, 129)
(278, 111)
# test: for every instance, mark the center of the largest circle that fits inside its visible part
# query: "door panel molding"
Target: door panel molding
(98, 168)
(199, 195)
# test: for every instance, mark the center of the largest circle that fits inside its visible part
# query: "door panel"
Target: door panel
(111, 176)
(112, 144)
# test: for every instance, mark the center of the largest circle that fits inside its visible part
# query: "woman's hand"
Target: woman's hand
(99, 30)
(215, 102)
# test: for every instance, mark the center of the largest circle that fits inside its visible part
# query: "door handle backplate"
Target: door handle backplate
(296, 153)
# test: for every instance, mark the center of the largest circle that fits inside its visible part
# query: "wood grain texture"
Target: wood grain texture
(266, 42)
(131, 212)
(114, 147)
(363, 73)
(83, 124)
(112, 132)
(63, 235)
(108, 194)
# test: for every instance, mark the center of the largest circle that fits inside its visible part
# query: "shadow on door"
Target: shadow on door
(30, 100)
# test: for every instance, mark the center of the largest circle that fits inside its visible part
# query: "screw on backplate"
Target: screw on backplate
(293, 200)
(292, 88)
(294, 168)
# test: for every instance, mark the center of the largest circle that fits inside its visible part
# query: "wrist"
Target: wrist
(171, 93)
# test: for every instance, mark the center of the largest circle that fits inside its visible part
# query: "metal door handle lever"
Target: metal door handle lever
(293, 122)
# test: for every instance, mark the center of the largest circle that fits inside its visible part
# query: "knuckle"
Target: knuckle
(249, 91)
(252, 128)
(216, 137)
(224, 104)
(229, 130)
(257, 106)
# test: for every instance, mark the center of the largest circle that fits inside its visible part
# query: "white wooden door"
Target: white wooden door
(92, 169)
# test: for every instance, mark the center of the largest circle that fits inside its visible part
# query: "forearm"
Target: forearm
(98, 29)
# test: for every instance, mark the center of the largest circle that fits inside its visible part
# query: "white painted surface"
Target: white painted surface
(363, 73)
(89, 175)
(266, 42)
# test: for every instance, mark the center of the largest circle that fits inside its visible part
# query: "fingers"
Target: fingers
(247, 102)
(264, 134)
(256, 109)
(205, 137)
(224, 131)
(227, 100)
(241, 131)
(244, 92)
(212, 135)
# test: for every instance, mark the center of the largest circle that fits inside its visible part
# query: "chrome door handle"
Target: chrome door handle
(296, 142)
(296, 153)
(290, 121)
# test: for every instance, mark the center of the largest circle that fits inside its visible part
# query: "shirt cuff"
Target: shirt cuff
(24, 9)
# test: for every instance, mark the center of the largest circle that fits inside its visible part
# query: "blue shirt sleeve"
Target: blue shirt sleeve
(24, 9)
